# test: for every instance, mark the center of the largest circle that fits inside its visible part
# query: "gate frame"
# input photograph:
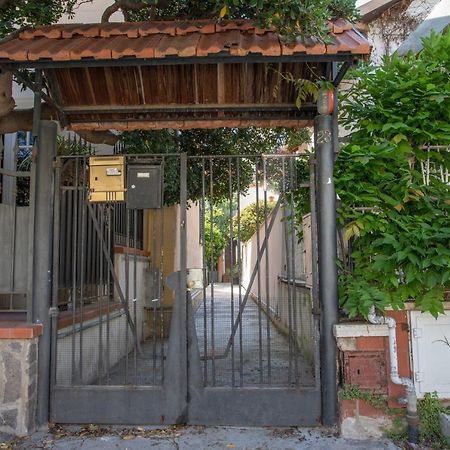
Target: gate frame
(328, 293)
(43, 276)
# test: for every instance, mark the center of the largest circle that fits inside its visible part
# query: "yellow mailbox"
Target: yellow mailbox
(106, 179)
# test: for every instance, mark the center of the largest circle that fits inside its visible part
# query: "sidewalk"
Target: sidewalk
(190, 438)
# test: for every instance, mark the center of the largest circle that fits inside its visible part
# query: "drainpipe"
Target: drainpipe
(411, 397)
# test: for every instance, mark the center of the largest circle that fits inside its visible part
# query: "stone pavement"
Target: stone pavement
(190, 438)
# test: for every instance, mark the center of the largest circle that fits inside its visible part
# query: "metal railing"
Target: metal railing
(16, 226)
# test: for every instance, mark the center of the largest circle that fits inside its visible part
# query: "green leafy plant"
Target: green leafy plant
(291, 18)
(429, 410)
(197, 142)
(14, 15)
(215, 242)
(251, 216)
(352, 392)
(396, 226)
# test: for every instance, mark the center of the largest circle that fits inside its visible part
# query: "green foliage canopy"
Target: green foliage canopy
(18, 14)
(291, 17)
(251, 216)
(398, 226)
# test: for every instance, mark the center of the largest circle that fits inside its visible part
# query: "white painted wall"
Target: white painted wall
(277, 290)
(95, 334)
(418, 9)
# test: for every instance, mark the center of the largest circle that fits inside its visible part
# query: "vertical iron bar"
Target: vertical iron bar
(75, 377)
(102, 293)
(108, 296)
(82, 260)
(182, 288)
(55, 275)
(135, 291)
(314, 256)
(258, 269)
(42, 260)
(13, 241)
(241, 345)
(161, 274)
(230, 181)
(37, 109)
(269, 359)
(211, 246)
(288, 267)
(328, 292)
(205, 274)
(127, 286)
(293, 247)
(155, 311)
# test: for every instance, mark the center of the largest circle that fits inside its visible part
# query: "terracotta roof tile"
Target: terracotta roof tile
(177, 45)
(191, 26)
(267, 44)
(140, 48)
(48, 31)
(86, 30)
(130, 30)
(311, 46)
(158, 39)
(156, 27)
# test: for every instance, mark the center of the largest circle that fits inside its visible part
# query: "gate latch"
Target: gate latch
(53, 311)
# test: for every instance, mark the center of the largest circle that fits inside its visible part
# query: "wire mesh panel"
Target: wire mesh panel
(16, 226)
(255, 324)
(114, 312)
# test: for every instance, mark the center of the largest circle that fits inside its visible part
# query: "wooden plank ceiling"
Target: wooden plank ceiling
(154, 75)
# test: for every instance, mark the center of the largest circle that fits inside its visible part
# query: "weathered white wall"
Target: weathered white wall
(95, 331)
(284, 299)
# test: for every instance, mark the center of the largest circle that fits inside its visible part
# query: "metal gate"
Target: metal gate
(203, 311)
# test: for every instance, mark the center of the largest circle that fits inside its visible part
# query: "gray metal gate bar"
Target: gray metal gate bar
(42, 259)
(328, 292)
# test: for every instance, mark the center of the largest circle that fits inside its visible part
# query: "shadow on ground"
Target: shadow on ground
(189, 438)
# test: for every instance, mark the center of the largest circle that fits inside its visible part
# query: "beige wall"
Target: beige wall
(277, 289)
(169, 232)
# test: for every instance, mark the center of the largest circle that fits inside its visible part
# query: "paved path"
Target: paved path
(262, 347)
(196, 438)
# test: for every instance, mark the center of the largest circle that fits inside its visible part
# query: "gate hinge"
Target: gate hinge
(417, 332)
(53, 311)
(418, 376)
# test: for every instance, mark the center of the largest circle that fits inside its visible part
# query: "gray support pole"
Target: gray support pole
(42, 259)
(328, 293)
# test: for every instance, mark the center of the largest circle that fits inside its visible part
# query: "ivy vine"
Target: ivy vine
(397, 222)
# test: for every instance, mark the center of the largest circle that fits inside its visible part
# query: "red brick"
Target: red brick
(19, 330)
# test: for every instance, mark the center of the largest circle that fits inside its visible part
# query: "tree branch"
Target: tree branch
(133, 5)
(99, 137)
(23, 120)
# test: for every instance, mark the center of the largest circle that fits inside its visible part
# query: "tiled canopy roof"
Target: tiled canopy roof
(160, 39)
(180, 75)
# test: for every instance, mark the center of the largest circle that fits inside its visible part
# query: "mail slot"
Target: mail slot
(144, 186)
(106, 178)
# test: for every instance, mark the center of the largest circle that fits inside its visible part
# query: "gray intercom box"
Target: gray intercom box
(144, 186)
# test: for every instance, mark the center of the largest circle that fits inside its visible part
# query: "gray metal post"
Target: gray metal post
(42, 259)
(328, 293)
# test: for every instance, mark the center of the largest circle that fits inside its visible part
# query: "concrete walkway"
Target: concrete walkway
(191, 438)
